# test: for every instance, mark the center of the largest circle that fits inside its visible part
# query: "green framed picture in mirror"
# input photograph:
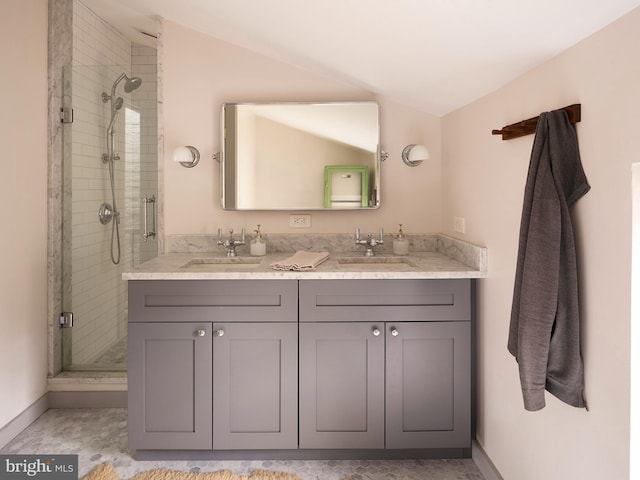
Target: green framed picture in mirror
(346, 186)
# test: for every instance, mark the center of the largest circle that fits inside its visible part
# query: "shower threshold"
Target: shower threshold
(77, 389)
(105, 375)
(92, 367)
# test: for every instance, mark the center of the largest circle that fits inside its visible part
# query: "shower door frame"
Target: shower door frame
(60, 42)
(92, 287)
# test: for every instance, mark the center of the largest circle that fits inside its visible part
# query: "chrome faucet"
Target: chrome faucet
(231, 243)
(370, 242)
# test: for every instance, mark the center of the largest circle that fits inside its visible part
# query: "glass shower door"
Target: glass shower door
(109, 167)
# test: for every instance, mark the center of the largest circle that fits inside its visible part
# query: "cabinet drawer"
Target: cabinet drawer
(385, 300)
(213, 300)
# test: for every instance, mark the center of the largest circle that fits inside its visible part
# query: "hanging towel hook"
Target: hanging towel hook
(528, 126)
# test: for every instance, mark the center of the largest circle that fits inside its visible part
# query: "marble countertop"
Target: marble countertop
(455, 259)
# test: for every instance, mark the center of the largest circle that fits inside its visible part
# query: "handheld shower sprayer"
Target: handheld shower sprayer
(114, 114)
(130, 84)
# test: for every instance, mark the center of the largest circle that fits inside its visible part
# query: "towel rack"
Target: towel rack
(528, 126)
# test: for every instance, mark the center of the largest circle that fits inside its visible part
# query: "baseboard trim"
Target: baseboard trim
(23, 420)
(484, 463)
(109, 399)
(299, 454)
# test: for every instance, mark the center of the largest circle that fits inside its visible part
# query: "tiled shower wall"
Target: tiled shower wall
(100, 54)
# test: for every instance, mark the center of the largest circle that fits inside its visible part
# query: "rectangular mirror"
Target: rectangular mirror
(300, 156)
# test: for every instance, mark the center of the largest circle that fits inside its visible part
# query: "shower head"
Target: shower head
(132, 84)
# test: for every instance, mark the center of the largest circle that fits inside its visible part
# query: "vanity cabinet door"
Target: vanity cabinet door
(341, 385)
(255, 386)
(428, 386)
(169, 385)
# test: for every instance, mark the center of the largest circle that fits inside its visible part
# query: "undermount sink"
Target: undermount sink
(222, 264)
(377, 262)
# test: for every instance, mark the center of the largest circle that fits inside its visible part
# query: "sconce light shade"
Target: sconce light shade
(187, 156)
(413, 155)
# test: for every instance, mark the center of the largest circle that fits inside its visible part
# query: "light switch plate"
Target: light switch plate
(458, 224)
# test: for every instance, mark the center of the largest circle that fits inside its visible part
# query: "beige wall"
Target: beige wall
(23, 206)
(483, 181)
(201, 73)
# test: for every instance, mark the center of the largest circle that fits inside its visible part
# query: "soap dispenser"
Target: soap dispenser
(400, 243)
(257, 247)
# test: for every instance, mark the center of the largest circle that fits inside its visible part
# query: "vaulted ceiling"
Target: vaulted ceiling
(436, 55)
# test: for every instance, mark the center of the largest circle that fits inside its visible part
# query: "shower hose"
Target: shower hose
(115, 228)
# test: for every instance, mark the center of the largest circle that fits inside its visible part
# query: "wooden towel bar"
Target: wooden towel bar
(528, 126)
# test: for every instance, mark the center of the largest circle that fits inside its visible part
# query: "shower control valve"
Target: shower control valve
(105, 157)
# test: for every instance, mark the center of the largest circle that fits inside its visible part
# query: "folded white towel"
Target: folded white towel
(301, 261)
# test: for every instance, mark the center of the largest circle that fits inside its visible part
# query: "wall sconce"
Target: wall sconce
(187, 156)
(413, 155)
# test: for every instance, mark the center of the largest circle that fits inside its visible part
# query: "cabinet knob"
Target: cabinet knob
(375, 332)
(394, 332)
(219, 333)
(201, 333)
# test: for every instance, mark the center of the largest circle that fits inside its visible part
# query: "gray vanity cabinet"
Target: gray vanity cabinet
(213, 364)
(169, 385)
(285, 365)
(418, 371)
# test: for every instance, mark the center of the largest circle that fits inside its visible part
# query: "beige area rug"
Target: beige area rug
(106, 471)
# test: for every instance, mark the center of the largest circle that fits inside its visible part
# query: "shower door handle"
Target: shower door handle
(145, 202)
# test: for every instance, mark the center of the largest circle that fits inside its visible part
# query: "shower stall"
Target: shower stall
(110, 188)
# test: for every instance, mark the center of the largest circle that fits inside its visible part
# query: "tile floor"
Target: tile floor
(99, 435)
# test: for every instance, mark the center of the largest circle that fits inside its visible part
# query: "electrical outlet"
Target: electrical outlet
(458, 224)
(300, 221)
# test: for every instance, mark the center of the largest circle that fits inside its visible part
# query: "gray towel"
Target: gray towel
(544, 334)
